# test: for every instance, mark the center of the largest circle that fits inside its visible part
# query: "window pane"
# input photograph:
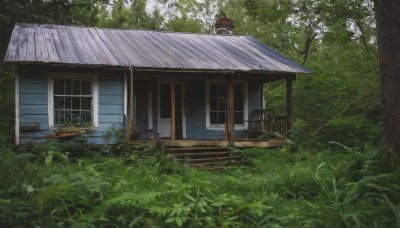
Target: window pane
(76, 87)
(213, 117)
(86, 116)
(76, 117)
(75, 110)
(86, 103)
(59, 86)
(67, 117)
(76, 103)
(222, 90)
(213, 104)
(58, 117)
(221, 117)
(68, 101)
(86, 87)
(239, 118)
(222, 104)
(68, 86)
(58, 102)
(238, 104)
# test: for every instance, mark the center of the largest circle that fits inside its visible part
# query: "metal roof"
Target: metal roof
(60, 44)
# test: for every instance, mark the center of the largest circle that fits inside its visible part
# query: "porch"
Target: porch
(238, 143)
(202, 109)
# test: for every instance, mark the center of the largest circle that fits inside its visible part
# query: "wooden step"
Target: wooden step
(196, 149)
(202, 154)
(224, 163)
(207, 157)
(205, 160)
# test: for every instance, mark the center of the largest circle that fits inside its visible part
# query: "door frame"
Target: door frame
(183, 92)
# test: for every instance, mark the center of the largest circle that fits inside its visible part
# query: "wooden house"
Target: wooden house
(176, 86)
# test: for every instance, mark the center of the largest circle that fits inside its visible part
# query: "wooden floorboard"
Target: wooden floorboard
(239, 143)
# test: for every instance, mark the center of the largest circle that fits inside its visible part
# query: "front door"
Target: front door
(164, 110)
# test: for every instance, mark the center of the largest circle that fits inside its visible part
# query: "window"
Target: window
(73, 100)
(217, 105)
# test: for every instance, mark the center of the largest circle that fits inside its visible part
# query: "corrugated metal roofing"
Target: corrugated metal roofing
(59, 44)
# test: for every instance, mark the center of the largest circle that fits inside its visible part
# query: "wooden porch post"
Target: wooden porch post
(231, 113)
(16, 105)
(130, 104)
(289, 98)
(173, 114)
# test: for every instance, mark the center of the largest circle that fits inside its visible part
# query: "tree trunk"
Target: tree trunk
(388, 34)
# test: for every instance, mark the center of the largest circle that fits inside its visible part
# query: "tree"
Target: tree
(388, 35)
(335, 39)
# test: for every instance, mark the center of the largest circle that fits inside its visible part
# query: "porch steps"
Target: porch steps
(207, 157)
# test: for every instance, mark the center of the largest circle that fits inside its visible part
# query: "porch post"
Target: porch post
(173, 130)
(231, 113)
(130, 105)
(289, 98)
(16, 105)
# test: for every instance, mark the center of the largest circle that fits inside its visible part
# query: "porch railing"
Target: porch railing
(281, 124)
(266, 122)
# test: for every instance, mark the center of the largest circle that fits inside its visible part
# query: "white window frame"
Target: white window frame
(62, 75)
(221, 127)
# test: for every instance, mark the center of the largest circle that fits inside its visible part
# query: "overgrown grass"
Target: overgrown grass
(343, 188)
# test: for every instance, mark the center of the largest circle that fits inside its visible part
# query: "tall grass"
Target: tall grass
(341, 188)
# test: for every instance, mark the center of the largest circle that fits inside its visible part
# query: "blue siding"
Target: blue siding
(196, 123)
(33, 109)
(112, 99)
(34, 88)
(111, 105)
(34, 103)
(33, 100)
(110, 90)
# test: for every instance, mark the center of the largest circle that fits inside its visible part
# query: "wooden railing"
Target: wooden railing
(266, 122)
(281, 124)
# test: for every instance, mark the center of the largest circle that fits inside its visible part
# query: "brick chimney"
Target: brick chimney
(224, 26)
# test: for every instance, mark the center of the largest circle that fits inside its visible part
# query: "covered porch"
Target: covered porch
(177, 108)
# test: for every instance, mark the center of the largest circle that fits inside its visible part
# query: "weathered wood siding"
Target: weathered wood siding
(111, 105)
(34, 103)
(196, 123)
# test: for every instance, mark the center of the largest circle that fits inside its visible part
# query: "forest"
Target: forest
(333, 171)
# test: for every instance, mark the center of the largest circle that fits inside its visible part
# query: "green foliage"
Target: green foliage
(314, 181)
(7, 105)
(282, 187)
